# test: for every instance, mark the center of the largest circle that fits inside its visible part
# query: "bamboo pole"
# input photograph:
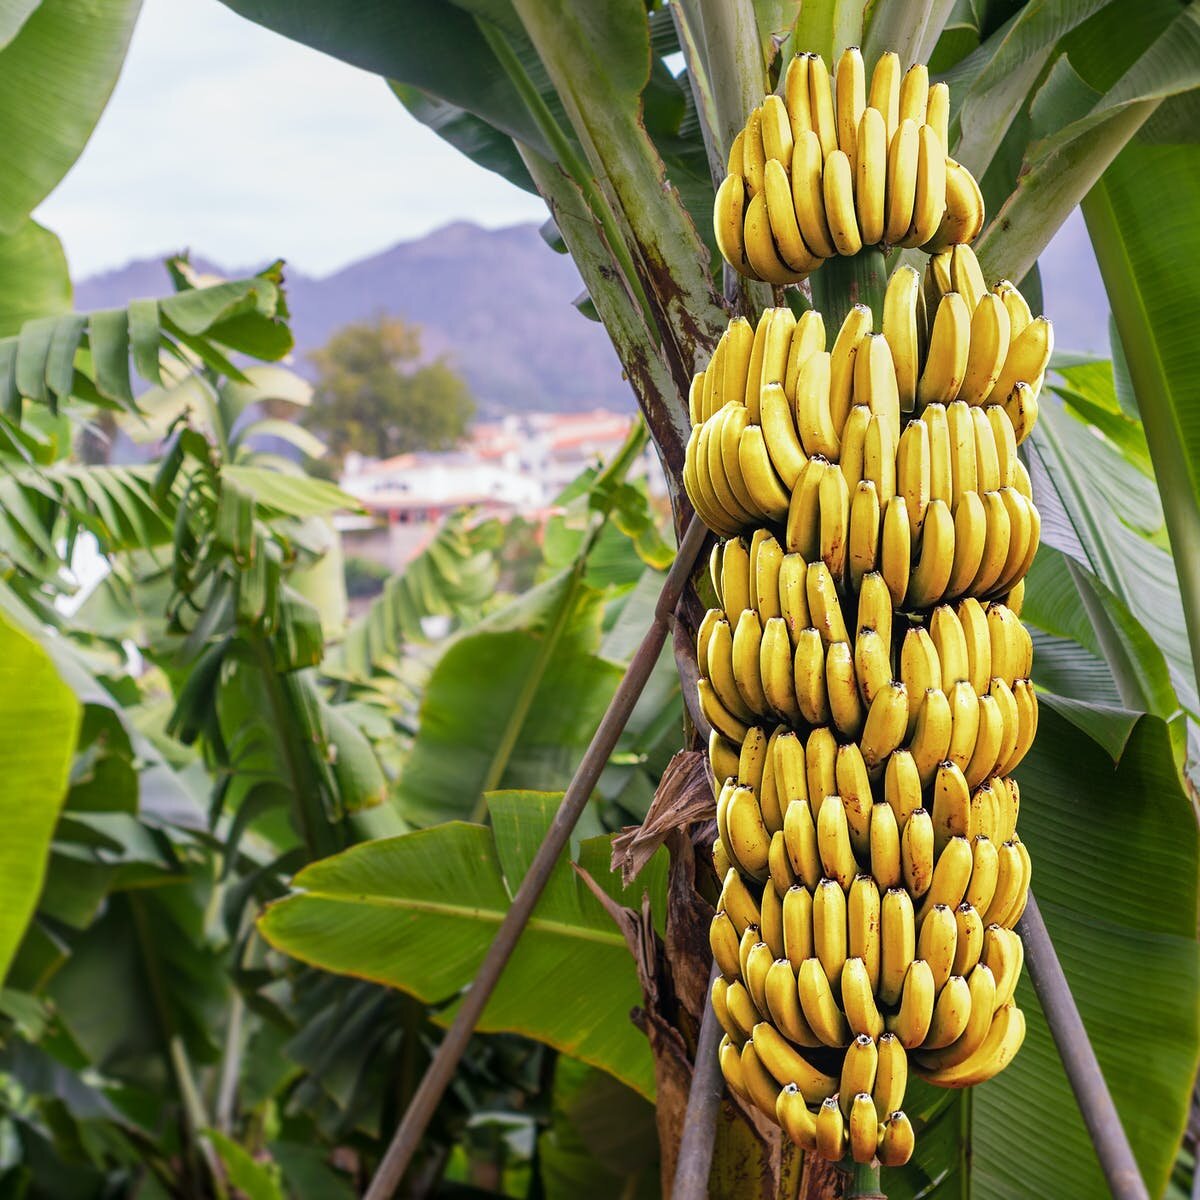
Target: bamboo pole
(704, 1103)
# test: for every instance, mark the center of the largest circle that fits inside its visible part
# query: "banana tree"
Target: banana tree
(621, 118)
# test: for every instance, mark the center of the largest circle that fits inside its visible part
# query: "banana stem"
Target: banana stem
(864, 1183)
(841, 283)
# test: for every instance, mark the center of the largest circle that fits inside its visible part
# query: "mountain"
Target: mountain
(496, 302)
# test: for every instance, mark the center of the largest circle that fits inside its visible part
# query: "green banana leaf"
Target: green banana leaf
(56, 75)
(39, 724)
(33, 277)
(417, 912)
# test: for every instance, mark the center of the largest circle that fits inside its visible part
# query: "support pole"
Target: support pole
(449, 1054)
(1079, 1059)
(704, 1102)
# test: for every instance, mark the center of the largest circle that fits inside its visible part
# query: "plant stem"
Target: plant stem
(844, 282)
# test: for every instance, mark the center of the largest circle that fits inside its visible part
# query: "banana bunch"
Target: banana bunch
(834, 165)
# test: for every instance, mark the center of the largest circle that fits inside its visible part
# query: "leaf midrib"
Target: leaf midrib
(491, 916)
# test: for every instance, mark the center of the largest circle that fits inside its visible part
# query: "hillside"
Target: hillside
(498, 303)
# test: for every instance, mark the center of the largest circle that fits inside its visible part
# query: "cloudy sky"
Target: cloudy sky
(230, 139)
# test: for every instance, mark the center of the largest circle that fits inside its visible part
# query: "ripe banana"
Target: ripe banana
(779, 432)
(833, 842)
(837, 187)
(949, 348)
(858, 1000)
(820, 1008)
(900, 330)
(910, 1022)
(937, 941)
(800, 836)
(884, 849)
(898, 943)
(891, 1075)
(858, 1070)
(850, 97)
(870, 171)
(965, 212)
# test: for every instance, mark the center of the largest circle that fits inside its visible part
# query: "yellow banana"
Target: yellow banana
(803, 533)
(717, 715)
(754, 156)
(896, 1137)
(937, 940)
(833, 842)
(783, 1001)
(914, 94)
(902, 786)
(1009, 882)
(891, 1075)
(721, 860)
(900, 330)
(862, 922)
(850, 95)
(781, 213)
(901, 182)
(832, 1140)
(777, 346)
(723, 938)
(760, 246)
(721, 1011)
(895, 550)
(820, 102)
(1021, 534)
(823, 601)
(987, 462)
(720, 674)
(964, 724)
(808, 195)
(858, 1002)
(779, 864)
(934, 567)
(1006, 443)
(776, 131)
(946, 358)
(931, 735)
(1021, 407)
(829, 928)
(736, 586)
(995, 544)
(807, 339)
(989, 348)
(820, 763)
(929, 201)
(739, 344)
(951, 1013)
(884, 94)
(969, 940)
(695, 482)
(754, 372)
(758, 963)
(885, 848)
(738, 903)
(795, 96)
(1004, 635)
(950, 645)
(951, 812)
(964, 210)
(875, 607)
(941, 473)
(912, 473)
(749, 939)
(916, 853)
(1027, 723)
(779, 432)
(1027, 359)
(765, 582)
(1009, 795)
(862, 551)
(837, 189)
(870, 171)
(966, 276)
(798, 923)
(937, 113)
(814, 418)
(910, 1022)
(844, 704)
(793, 1116)
(879, 458)
(731, 1067)
(898, 943)
(808, 673)
(951, 874)
(997, 1050)
(985, 812)
(771, 929)
(749, 840)
(791, 770)
(762, 1089)
(747, 640)
(704, 635)
(964, 470)
(1004, 954)
(920, 670)
(886, 723)
(800, 834)
(722, 757)
(858, 1071)
(981, 984)
(713, 445)
(985, 871)
(834, 501)
(793, 594)
(973, 619)
(875, 382)
(853, 784)
(820, 1008)
(763, 484)
(775, 670)
(729, 209)
(1010, 718)
(696, 399)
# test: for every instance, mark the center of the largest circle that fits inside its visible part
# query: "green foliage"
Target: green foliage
(375, 394)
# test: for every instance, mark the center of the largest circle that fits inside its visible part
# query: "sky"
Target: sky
(229, 139)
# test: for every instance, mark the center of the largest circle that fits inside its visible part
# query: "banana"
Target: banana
(997, 1050)
(964, 724)
(733, 163)
(797, 924)
(916, 853)
(722, 757)
(781, 213)
(929, 202)
(793, 1116)
(987, 462)
(862, 550)
(829, 928)
(964, 462)
(729, 209)
(1027, 723)
(875, 607)
(820, 763)
(951, 874)
(777, 347)
(779, 864)
(875, 383)
(749, 939)
(941, 474)
(937, 280)
(696, 399)
(895, 550)
(896, 1137)
(886, 723)
(763, 484)
(1018, 909)
(738, 903)
(803, 533)
(820, 102)
(870, 171)
(858, 1071)
(793, 594)
(912, 473)
(783, 1003)
(754, 156)
(1021, 534)
(712, 618)
(747, 640)
(901, 182)
(995, 545)
(758, 963)
(721, 860)
(833, 842)
(736, 586)
(788, 1065)
(1009, 886)
(808, 194)
(985, 812)
(720, 673)
(902, 786)
(808, 673)
(872, 664)
(937, 113)
(862, 922)
(931, 735)
(713, 444)
(910, 1023)
(739, 345)
(844, 704)
(891, 1075)
(808, 338)
(879, 458)
(931, 575)
(721, 1011)
(950, 645)
(920, 670)
(1006, 443)
(762, 1089)
(775, 670)
(981, 984)
(964, 210)
(760, 246)
(946, 358)
(717, 715)
(731, 1067)
(937, 941)
(1010, 718)
(1007, 645)
(834, 501)
(771, 929)
(900, 330)
(831, 1137)
(765, 582)
(966, 276)
(862, 1013)
(823, 601)
(740, 1007)
(1004, 954)
(723, 938)
(951, 813)
(800, 835)
(973, 619)
(837, 188)
(776, 130)
(914, 94)
(898, 940)
(1009, 794)
(985, 871)
(969, 939)
(754, 373)
(727, 438)
(853, 784)
(820, 1008)
(1019, 314)
(748, 840)
(885, 90)
(698, 491)
(795, 96)
(791, 770)
(1027, 359)
(884, 848)
(779, 432)
(989, 348)
(1021, 407)
(814, 418)
(951, 1013)
(850, 95)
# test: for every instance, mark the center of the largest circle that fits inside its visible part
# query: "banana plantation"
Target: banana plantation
(828, 830)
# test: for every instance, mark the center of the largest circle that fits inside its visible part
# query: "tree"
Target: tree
(376, 396)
